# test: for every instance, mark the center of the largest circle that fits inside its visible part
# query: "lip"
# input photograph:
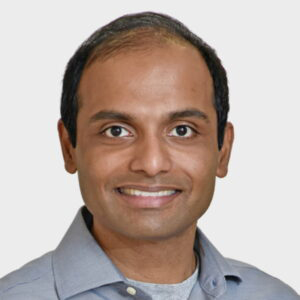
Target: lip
(148, 201)
(149, 188)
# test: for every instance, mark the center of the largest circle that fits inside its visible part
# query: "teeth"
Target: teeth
(134, 192)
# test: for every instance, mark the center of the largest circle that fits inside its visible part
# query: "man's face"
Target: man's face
(147, 153)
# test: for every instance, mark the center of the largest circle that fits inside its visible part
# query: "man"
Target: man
(144, 123)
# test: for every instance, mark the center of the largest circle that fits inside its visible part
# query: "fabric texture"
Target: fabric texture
(79, 269)
(177, 291)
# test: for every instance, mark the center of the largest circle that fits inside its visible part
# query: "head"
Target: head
(101, 43)
(144, 122)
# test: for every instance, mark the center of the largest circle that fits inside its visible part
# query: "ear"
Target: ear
(67, 149)
(224, 153)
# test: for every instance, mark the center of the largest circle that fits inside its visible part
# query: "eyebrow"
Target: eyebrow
(188, 113)
(121, 116)
(110, 115)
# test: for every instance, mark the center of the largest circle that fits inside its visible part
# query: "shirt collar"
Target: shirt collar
(80, 264)
(215, 269)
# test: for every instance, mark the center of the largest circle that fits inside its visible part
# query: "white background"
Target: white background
(255, 213)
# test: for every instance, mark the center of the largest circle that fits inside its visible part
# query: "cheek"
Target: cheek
(99, 167)
(95, 170)
(92, 160)
(90, 173)
(200, 164)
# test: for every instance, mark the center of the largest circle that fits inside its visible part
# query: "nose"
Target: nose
(151, 157)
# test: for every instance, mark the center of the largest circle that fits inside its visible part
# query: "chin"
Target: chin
(155, 231)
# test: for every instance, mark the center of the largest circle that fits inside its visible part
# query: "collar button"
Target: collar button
(130, 290)
(214, 283)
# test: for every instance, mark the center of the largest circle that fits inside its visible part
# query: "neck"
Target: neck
(162, 261)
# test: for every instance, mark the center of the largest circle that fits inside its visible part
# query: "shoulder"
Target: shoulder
(261, 284)
(31, 280)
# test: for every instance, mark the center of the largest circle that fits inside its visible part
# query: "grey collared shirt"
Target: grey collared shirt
(79, 269)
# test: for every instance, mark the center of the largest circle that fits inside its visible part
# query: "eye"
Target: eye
(182, 131)
(116, 131)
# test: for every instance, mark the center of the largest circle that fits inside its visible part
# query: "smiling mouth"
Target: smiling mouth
(148, 197)
(140, 193)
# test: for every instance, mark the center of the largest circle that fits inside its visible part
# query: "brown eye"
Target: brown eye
(116, 131)
(182, 131)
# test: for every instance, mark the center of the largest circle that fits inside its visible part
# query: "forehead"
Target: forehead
(165, 76)
(139, 39)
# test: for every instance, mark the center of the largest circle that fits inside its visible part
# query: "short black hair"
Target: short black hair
(69, 99)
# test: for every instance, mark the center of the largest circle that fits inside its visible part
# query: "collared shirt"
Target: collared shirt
(79, 269)
(176, 291)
